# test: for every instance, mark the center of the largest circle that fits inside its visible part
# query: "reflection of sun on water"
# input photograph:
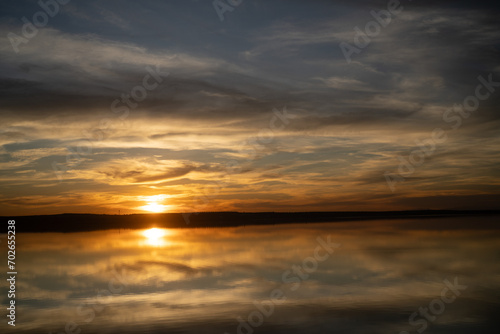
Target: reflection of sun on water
(155, 236)
(154, 233)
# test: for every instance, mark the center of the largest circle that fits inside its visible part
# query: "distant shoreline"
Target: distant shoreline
(96, 222)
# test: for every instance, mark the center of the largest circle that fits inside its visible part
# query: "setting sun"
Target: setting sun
(153, 207)
(154, 204)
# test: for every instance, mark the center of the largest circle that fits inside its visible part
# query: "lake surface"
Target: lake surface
(355, 277)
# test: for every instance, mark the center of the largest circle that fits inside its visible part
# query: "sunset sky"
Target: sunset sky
(259, 111)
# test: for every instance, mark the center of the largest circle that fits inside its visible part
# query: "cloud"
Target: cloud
(351, 121)
(145, 176)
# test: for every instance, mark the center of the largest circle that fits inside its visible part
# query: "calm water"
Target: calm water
(203, 280)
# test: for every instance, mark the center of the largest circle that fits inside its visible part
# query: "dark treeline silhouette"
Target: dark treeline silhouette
(93, 222)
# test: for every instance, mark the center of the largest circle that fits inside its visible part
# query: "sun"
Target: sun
(154, 203)
(153, 207)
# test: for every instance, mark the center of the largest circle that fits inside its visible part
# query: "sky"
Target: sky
(250, 105)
